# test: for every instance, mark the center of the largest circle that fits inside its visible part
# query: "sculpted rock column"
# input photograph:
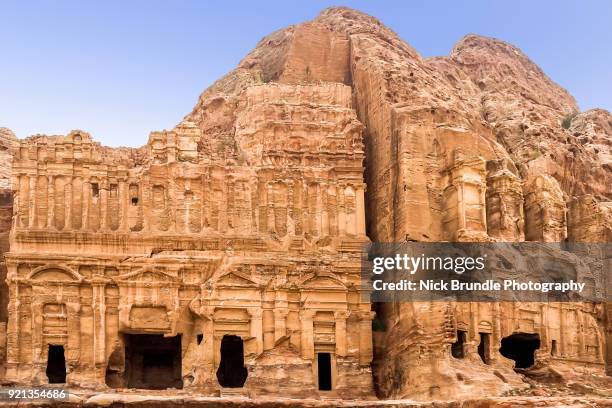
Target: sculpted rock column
(365, 338)
(123, 206)
(360, 211)
(86, 194)
(257, 328)
(51, 203)
(268, 329)
(340, 320)
(73, 350)
(104, 207)
(13, 329)
(99, 330)
(280, 323)
(68, 204)
(32, 200)
(38, 362)
(306, 318)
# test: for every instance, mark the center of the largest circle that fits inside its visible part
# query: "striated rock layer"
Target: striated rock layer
(237, 236)
(8, 145)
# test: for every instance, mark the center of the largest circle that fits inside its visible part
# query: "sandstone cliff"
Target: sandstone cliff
(487, 108)
(477, 146)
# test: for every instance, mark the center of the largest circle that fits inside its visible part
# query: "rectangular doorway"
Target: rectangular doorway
(324, 371)
(56, 364)
(484, 347)
(153, 361)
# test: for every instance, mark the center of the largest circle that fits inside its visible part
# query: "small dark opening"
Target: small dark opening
(553, 348)
(56, 365)
(484, 347)
(95, 189)
(325, 380)
(134, 200)
(457, 348)
(232, 373)
(6, 199)
(520, 347)
(153, 361)
(199, 338)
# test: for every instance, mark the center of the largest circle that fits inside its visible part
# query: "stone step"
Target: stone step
(234, 392)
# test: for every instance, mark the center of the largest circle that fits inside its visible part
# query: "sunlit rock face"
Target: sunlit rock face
(234, 240)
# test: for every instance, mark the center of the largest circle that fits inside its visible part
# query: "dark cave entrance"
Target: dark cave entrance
(153, 361)
(458, 347)
(56, 365)
(484, 347)
(520, 347)
(324, 371)
(232, 373)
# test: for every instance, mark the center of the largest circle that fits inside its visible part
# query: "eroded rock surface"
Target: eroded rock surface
(241, 229)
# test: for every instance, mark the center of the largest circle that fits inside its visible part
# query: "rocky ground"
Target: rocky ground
(177, 399)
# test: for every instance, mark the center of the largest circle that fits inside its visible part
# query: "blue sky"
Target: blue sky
(120, 69)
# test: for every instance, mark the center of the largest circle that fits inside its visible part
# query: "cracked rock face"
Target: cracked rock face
(241, 229)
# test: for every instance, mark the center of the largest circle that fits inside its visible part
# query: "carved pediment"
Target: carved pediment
(54, 273)
(235, 278)
(322, 281)
(147, 276)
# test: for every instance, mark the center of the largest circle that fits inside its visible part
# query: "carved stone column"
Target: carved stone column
(51, 202)
(268, 329)
(340, 319)
(360, 210)
(32, 201)
(341, 209)
(280, 323)
(12, 332)
(73, 345)
(365, 338)
(104, 208)
(257, 328)
(99, 319)
(86, 194)
(36, 308)
(68, 204)
(307, 340)
(123, 205)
